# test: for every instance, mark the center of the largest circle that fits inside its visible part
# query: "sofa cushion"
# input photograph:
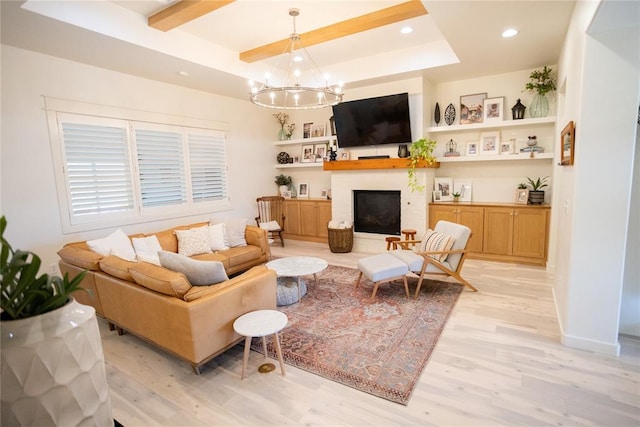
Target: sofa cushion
(80, 255)
(117, 267)
(241, 255)
(193, 241)
(160, 279)
(214, 256)
(147, 248)
(218, 237)
(432, 241)
(116, 243)
(199, 273)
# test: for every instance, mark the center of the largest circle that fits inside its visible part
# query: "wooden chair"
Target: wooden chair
(271, 216)
(422, 263)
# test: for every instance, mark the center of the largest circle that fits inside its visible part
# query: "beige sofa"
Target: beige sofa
(159, 305)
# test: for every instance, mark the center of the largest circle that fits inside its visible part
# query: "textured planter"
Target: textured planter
(53, 370)
(536, 197)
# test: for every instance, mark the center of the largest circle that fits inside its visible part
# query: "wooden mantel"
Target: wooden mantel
(342, 165)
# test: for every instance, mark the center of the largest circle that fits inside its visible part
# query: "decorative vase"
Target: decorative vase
(536, 197)
(282, 134)
(539, 106)
(403, 151)
(53, 370)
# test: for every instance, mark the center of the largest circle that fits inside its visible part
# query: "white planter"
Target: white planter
(283, 188)
(53, 370)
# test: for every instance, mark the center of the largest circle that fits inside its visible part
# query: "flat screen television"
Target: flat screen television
(373, 121)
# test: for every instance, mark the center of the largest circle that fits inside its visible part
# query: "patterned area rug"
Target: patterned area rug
(378, 347)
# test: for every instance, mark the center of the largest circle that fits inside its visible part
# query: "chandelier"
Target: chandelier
(301, 86)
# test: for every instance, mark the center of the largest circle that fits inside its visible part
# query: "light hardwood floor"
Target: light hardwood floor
(499, 362)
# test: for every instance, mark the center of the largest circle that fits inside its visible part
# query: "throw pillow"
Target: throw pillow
(270, 226)
(199, 273)
(194, 241)
(218, 237)
(235, 229)
(116, 243)
(433, 241)
(147, 249)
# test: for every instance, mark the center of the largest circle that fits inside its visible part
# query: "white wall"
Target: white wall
(28, 196)
(595, 192)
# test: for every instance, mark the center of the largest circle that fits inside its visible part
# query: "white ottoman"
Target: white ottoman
(382, 268)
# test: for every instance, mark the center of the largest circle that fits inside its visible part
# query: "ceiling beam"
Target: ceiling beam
(182, 12)
(390, 15)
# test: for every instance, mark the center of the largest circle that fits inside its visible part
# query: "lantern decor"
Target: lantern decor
(452, 149)
(518, 110)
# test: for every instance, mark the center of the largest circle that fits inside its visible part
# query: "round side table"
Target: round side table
(260, 323)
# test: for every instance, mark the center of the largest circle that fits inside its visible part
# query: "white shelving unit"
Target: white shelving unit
(492, 125)
(301, 142)
(501, 158)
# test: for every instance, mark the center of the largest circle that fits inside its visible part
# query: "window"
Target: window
(119, 171)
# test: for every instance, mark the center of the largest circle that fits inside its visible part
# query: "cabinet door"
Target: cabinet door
(308, 219)
(530, 232)
(444, 213)
(473, 217)
(324, 216)
(292, 217)
(498, 230)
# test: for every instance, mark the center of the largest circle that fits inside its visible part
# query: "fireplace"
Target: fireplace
(376, 211)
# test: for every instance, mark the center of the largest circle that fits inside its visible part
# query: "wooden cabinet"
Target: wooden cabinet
(307, 219)
(471, 216)
(501, 231)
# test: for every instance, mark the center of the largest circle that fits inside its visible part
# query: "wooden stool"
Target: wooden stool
(409, 234)
(390, 241)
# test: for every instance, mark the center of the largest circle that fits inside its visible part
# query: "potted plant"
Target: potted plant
(540, 82)
(456, 196)
(420, 150)
(536, 193)
(50, 343)
(283, 182)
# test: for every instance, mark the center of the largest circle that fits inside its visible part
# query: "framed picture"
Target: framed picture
(324, 194)
(493, 109)
(506, 147)
(318, 130)
(320, 151)
(489, 142)
(522, 197)
(308, 155)
(472, 148)
(286, 194)
(471, 108)
(437, 196)
(306, 130)
(343, 154)
(445, 186)
(303, 190)
(568, 138)
(464, 188)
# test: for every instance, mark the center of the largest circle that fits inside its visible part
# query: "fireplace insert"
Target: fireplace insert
(376, 211)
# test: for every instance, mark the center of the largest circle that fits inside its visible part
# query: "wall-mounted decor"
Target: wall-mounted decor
(471, 108)
(493, 109)
(489, 142)
(568, 138)
(308, 154)
(445, 186)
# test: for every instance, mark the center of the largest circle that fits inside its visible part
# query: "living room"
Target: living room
(594, 286)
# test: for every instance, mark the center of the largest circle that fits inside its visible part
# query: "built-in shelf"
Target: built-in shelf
(374, 164)
(501, 157)
(299, 141)
(298, 165)
(492, 125)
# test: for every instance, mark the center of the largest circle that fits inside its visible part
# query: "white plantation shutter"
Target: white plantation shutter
(161, 167)
(97, 167)
(208, 166)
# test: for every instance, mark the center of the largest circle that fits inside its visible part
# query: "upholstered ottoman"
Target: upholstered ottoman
(382, 268)
(287, 290)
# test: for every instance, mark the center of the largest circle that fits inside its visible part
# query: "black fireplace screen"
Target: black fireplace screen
(376, 211)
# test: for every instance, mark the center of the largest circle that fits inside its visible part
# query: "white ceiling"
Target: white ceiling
(455, 40)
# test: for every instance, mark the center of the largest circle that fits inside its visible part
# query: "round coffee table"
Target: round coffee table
(297, 266)
(260, 323)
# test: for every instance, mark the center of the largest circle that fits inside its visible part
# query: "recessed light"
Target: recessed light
(406, 30)
(509, 32)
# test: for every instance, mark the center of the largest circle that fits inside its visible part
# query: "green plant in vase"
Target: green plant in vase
(420, 150)
(456, 196)
(540, 82)
(282, 118)
(536, 194)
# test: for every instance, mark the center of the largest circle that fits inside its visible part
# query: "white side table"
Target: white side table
(260, 323)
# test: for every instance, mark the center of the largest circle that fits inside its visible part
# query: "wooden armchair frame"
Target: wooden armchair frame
(271, 208)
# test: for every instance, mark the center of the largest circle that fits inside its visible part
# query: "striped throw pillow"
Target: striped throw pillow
(433, 241)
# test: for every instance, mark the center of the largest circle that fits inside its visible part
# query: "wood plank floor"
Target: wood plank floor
(499, 362)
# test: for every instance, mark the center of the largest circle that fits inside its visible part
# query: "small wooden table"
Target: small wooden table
(260, 323)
